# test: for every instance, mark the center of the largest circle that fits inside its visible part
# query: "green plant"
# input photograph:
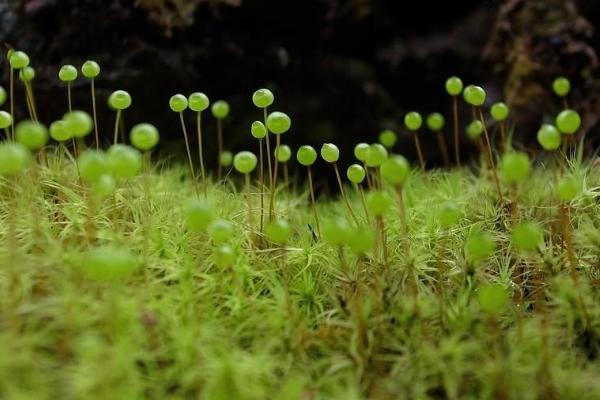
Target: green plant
(454, 88)
(118, 100)
(277, 123)
(395, 171)
(90, 70)
(330, 153)
(356, 174)
(388, 138)
(549, 137)
(259, 131)
(413, 122)
(199, 102)
(68, 74)
(17, 60)
(27, 75)
(360, 152)
(435, 123)
(5, 122)
(179, 103)
(283, 154)
(307, 155)
(220, 110)
(245, 162)
(499, 112)
(561, 87)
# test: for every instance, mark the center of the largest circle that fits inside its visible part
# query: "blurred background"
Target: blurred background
(342, 69)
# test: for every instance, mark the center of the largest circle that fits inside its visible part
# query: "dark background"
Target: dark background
(343, 70)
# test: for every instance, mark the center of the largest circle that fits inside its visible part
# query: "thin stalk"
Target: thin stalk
(402, 207)
(456, 136)
(261, 184)
(201, 151)
(443, 148)
(565, 103)
(220, 146)
(268, 150)
(343, 193)
(313, 201)
(247, 179)
(274, 181)
(491, 156)
(419, 150)
(369, 183)
(93, 89)
(117, 118)
(29, 93)
(382, 240)
(28, 102)
(285, 175)
(69, 96)
(12, 101)
(565, 218)
(503, 136)
(189, 152)
(358, 188)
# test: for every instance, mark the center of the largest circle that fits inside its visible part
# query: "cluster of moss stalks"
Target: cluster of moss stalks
(124, 277)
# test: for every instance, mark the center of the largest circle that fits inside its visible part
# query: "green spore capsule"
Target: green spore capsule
(527, 236)
(258, 130)
(5, 119)
(360, 151)
(220, 231)
(119, 100)
(3, 96)
(376, 155)
(479, 246)
(92, 165)
(14, 158)
(413, 121)
(474, 95)
(278, 232)
(178, 103)
(449, 214)
(220, 109)
(263, 98)
(104, 186)
(198, 215)
(568, 121)
(278, 122)
(31, 134)
(67, 73)
(474, 130)
(90, 69)
(198, 101)
(435, 122)
(454, 86)
(361, 240)
(226, 159)
(336, 231)
(283, 153)
(549, 137)
(388, 138)
(18, 60)
(561, 86)
(124, 161)
(492, 298)
(355, 173)
(78, 123)
(59, 131)
(306, 155)
(109, 263)
(27, 74)
(330, 152)
(144, 136)
(379, 203)
(499, 111)
(515, 167)
(224, 256)
(568, 188)
(395, 170)
(244, 162)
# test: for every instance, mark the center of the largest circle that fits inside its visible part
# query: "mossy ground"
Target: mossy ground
(308, 321)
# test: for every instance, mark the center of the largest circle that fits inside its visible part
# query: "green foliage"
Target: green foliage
(124, 161)
(14, 158)
(515, 167)
(379, 203)
(568, 187)
(92, 165)
(479, 246)
(198, 215)
(449, 214)
(278, 231)
(492, 298)
(527, 236)
(109, 263)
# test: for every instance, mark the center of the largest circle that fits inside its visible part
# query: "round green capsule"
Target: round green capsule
(549, 137)
(124, 161)
(568, 121)
(3, 96)
(527, 236)
(90, 69)
(492, 298)
(355, 173)
(449, 214)
(109, 263)
(395, 170)
(283, 153)
(474, 130)
(336, 231)
(388, 138)
(144, 136)
(119, 100)
(263, 98)
(5, 120)
(178, 103)
(198, 101)
(499, 111)
(198, 215)
(568, 188)
(454, 86)
(376, 155)
(27, 74)
(413, 121)
(104, 186)
(379, 203)
(31, 134)
(361, 240)
(306, 155)
(226, 159)
(18, 60)
(14, 158)
(220, 109)
(360, 151)
(59, 131)
(435, 122)
(515, 167)
(479, 246)
(78, 123)
(561, 86)
(92, 165)
(258, 130)
(244, 162)
(67, 73)
(220, 231)
(278, 232)
(474, 95)
(330, 152)
(224, 256)
(278, 122)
